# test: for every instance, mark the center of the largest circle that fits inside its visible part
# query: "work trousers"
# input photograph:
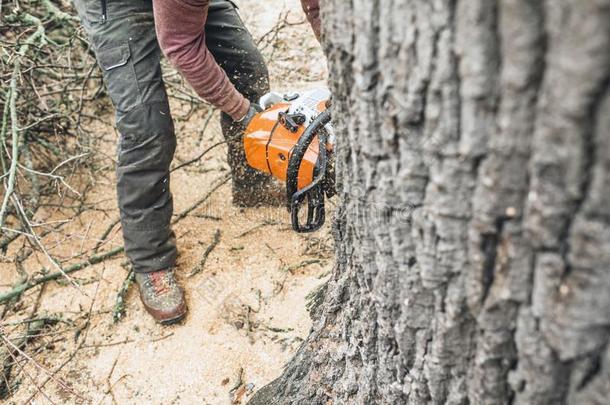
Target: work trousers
(122, 35)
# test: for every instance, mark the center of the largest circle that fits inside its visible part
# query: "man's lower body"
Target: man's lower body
(122, 34)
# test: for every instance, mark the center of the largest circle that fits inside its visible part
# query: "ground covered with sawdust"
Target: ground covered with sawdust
(247, 299)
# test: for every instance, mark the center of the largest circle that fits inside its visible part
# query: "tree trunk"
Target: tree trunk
(473, 234)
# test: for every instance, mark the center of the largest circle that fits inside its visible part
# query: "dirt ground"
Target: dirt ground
(247, 304)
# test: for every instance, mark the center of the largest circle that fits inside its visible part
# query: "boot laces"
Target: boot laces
(161, 281)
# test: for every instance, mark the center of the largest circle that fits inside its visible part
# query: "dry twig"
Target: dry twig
(199, 267)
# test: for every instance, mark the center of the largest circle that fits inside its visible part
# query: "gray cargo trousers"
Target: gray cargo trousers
(122, 35)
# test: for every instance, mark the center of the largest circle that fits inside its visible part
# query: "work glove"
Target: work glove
(252, 111)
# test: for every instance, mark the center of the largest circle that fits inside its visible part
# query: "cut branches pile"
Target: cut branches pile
(47, 73)
(45, 68)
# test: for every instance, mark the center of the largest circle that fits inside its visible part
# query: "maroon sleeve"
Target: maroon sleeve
(180, 31)
(312, 11)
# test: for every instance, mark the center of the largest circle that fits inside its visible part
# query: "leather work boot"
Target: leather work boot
(162, 296)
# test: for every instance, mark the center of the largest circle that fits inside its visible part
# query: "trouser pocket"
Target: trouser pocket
(120, 76)
(129, 56)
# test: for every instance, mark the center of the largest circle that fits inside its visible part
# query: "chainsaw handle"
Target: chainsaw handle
(313, 192)
(316, 213)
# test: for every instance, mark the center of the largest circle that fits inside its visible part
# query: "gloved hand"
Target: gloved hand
(252, 111)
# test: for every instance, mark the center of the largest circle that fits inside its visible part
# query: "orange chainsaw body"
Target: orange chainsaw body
(269, 143)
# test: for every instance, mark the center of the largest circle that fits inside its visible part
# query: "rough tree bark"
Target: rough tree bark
(491, 119)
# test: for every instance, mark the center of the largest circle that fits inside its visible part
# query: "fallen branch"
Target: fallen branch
(87, 327)
(304, 263)
(204, 258)
(21, 288)
(104, 235)
(37, 241)
(196, 159)
(34, 326)
(16, 348)
(12, 173)
(203, 199)
(119, 307)
(60, 15)
(239, 380)
(267, 222)
(37, 113)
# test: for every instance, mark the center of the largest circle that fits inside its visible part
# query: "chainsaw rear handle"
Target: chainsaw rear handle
(314, 192)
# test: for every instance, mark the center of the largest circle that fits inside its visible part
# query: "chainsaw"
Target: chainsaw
(292, 139)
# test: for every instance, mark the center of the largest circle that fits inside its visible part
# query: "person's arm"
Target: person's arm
(312, 11)
(180, 31)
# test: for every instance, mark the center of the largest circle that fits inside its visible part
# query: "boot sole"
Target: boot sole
(173, 321)
(169, 321)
